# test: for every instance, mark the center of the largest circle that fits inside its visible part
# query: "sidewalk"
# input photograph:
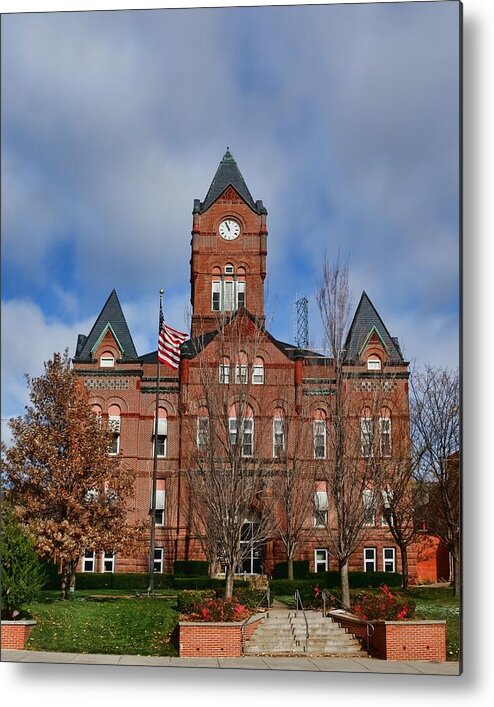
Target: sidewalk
(344, 665)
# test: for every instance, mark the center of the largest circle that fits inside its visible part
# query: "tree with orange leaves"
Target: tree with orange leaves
(69, 492)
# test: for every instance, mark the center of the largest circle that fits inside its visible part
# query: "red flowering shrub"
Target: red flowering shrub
(218, 610)
(382, 606)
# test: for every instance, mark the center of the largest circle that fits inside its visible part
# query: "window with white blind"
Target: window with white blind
(369, 502)
(216, 297)
(202, 433)
(385, 436)
(258, 371)
(320, 509)
(114, 427)
(159, 516)
(278, 437)
(319, 439)
(366, 436)
(161, 436)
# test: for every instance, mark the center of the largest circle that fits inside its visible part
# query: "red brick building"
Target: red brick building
(228, 269)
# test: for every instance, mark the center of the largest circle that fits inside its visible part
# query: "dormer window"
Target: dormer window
(107, 360)
(373, 363)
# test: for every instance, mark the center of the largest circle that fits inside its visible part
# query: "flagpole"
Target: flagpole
(155, 461)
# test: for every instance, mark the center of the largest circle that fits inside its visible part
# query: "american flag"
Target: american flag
(169, 343)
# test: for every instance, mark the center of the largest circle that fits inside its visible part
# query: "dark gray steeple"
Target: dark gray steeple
(365, 321)
(111, 317)
(228, 174)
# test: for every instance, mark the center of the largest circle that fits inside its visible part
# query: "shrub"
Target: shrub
(190, 599)
(218, 609)
(191, 568)
(300, 570)
(248, 596)
(383, 606)
(22, 574)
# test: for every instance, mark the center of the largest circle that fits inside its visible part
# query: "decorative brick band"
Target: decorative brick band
(400, 640)
(15, 633)
(213, 640)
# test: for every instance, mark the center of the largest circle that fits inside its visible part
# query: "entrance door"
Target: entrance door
(252, 564)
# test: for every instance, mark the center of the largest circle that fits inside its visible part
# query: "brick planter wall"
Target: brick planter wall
(15, 633)
(213, 640)
(400, 640)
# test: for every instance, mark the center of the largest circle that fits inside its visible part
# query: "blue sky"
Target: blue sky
(343, 120)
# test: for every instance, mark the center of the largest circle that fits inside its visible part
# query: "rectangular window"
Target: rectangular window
(108, 563)
(389, 559)
(320, 560)
(370, 561)
(248, 438)
(369, 507)
(158, 560)
(89, 561)
(241, 374)
(107, 361)
(162, 436)
(385, 436)
(319, 439)
(232, 428)
(258, 374)
(224, 373)
(373, 364)
(114, 426)
(216, 297)
(202, 433)
(278, 437)
(228, 296)
(366, 436)
(320, 509)
(240, 294)
(159, 516)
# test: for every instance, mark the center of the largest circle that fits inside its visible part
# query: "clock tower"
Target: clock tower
(229, 246)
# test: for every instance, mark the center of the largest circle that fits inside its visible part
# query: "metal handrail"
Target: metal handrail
(298, 601)
(369, 627)
(267, 596)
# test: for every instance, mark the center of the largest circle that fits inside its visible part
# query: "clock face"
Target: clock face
(229, 229)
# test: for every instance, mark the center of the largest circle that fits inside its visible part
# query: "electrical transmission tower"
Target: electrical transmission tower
(302, 339)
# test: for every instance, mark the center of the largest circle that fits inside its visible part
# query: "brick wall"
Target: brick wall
(401, 640)
(213, 640)
(14, 634)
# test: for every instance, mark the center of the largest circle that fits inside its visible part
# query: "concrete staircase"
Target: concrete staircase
(284, 633)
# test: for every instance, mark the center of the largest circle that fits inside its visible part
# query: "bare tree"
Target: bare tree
(435, 418)
(294, 481)
(228, 476)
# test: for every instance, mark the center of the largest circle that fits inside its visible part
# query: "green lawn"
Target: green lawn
(114, 626)
(436, 603)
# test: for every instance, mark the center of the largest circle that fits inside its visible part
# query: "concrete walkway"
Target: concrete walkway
(344, 665)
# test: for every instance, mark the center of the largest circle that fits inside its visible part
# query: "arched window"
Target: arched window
(366, 432)
(241, 368)
(278, 433)
(160, 435)
(258, 371)
(319, 434)
(203, 429)
(385, 432)
(224, 370)
(373, 363)
(246, 429)
(114, 426)
(107, 360)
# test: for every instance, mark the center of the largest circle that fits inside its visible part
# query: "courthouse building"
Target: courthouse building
(229, 247)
